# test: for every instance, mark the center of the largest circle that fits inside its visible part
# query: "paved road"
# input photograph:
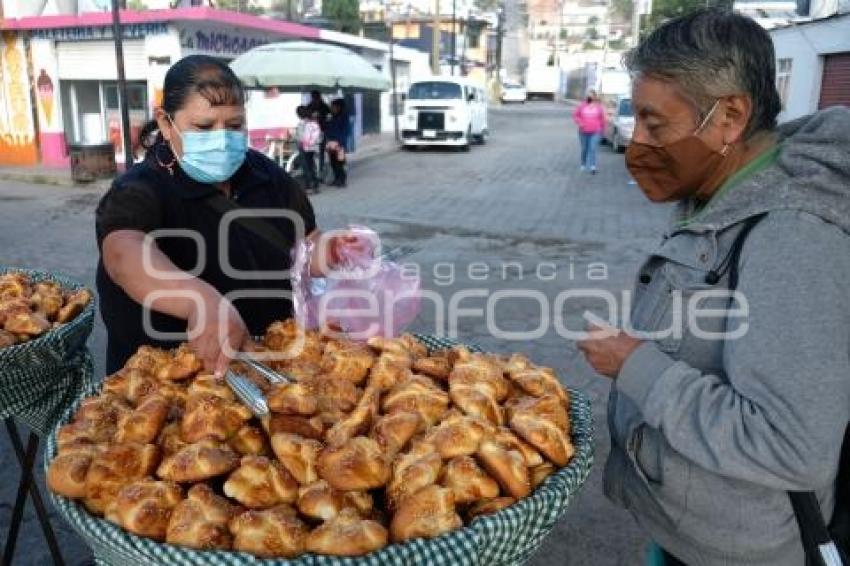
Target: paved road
(513, 215)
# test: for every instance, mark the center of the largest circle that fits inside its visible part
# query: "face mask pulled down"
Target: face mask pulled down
(212, 156)
(682, 169)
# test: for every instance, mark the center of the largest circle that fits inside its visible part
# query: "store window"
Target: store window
(474, 38)
(92, 112)
(783, 79)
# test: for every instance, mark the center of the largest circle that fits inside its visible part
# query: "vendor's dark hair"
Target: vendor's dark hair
(210, 77)
(712, 53)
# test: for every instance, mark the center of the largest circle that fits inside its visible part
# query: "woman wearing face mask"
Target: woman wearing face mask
(221, 281)
(715, 415)
(589, 116)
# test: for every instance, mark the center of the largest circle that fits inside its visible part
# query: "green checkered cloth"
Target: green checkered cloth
(510, 536)
(40, 378)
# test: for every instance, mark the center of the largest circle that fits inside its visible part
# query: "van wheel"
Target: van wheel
(481, 138)
(467, 140)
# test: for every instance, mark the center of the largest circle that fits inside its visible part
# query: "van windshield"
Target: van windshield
(434, 90)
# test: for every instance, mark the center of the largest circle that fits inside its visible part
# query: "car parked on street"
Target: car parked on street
(513, 92)
(620, 122)
(447, 111)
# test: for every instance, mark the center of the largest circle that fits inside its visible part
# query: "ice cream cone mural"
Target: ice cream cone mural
(45, 95)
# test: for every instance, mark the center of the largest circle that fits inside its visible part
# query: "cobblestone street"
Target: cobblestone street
(514, 215)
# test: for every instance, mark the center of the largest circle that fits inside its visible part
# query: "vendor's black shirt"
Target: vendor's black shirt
(148, 198)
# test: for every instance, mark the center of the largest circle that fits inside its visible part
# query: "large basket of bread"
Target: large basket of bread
(406, 450)
(45, 320)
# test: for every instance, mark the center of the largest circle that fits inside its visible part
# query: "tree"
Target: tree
(663, 10)
(621, 10)
(344, 15)
(286, 8)
(244, 6)
(487, 5)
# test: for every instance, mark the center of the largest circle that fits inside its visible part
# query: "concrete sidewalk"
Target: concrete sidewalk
(369, 147)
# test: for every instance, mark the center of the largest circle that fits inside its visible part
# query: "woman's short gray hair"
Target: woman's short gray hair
(712, 53)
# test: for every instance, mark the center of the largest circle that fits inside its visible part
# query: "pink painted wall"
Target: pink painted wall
(53, 149)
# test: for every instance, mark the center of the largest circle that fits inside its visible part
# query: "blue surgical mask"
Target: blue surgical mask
(212, 156)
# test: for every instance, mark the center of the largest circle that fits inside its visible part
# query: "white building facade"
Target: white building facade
(813, 65)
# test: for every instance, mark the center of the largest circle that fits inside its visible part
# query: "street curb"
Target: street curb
(373, 154)
(36, 178)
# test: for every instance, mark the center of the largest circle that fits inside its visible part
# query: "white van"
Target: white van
(450, 111)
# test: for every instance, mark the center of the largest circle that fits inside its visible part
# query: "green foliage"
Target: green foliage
(243, 6)
(285, 8)
(487, 5)
(563, 34)
(588, 46)
(592, 34)
(343, 14)
(621, 10)
(136, 5)
(663, 10)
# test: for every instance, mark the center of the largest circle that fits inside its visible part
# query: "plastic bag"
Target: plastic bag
(362, 296)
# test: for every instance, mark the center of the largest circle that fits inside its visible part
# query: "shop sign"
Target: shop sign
(219, 43)
(94, 33)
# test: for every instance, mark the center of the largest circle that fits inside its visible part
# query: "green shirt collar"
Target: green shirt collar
(763, 160)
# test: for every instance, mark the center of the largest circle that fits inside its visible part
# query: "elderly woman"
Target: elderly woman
(716, 416)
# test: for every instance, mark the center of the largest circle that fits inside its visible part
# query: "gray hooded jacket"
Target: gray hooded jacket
(708, 434)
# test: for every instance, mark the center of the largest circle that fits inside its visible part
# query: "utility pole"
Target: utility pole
(500, 30)
(465, 26)
(122, 85)
(435, 40)
(639, 8)
(394, 97)
(454, 35)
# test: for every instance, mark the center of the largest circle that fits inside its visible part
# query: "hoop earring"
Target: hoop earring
(167, 166)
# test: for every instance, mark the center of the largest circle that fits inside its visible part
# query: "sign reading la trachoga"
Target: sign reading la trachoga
(221, 43)
(93, 33)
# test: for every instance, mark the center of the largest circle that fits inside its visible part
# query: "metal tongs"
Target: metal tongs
(246, 391)
(271, 375)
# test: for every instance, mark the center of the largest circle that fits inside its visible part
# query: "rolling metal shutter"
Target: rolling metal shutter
(835, 84)
(95, 60)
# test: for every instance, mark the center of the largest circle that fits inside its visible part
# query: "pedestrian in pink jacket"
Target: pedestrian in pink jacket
(590, 118)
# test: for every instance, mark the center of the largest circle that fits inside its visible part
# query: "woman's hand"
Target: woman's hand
(216, 330)
(606, 349)
(345, 248)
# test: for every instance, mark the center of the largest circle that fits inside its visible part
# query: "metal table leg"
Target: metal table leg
(27, 459)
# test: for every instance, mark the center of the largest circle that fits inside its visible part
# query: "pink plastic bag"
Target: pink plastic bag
(363, 296)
